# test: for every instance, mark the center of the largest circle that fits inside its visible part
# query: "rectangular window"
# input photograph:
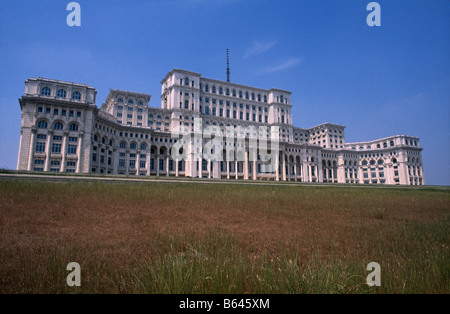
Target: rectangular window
(40, 147)
(56, 148)
(121, 162)
(73, 139)
(55, 163)
(72, 149)
(132, 163)
(70, 164)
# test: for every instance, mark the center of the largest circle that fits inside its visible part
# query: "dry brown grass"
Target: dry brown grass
(117, 225)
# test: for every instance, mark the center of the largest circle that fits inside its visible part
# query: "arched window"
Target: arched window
(73, 127)
(123, 145)
(58, 126)
(364, 163)
(372, 162)
(220, 90)
(378, 146)
(120, 100)
(234, 93)
(45, 91)
(143, 146)
(130, 101)
(140, 103)
(240, 94)
(133, 146)
(247, 95)
(227, 92)
(186, 81)
(380, 161)
(76, 95)
(214, 89)
(392, 143)
(265, 98)
(95, 138)
(206, 88)
(61, 93)
(42, 124)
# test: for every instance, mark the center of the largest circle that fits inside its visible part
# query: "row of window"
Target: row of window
(43, 124)
(56, 148)
(61, 93)
(130, 101)
(56, 112)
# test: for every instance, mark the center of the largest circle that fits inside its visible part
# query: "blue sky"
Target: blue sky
(378, 81)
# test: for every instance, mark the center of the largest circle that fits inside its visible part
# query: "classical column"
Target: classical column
(79, 148)
(48, 150)
(138, 161)
(64, 152)
(277, 167)
(295, 169)
(148, 161)
(246, 166)
(157, 165)
(32, 148)
(176, 168)
(167, 165)
(208, 168)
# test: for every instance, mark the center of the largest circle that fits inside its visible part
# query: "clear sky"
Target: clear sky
(378, 81)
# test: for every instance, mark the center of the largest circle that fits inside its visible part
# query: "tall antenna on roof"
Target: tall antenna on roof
(228, 67)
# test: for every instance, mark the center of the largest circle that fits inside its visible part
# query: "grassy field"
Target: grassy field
(188, 238)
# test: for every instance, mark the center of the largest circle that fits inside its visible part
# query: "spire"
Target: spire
(228, 67)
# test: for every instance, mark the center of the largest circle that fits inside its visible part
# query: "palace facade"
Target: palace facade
(64, 131)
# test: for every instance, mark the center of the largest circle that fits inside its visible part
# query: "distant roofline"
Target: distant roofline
(382, 139)
(58, 81)
(326, 124)
(224, 82)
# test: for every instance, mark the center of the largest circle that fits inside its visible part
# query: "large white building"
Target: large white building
(64, 131)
